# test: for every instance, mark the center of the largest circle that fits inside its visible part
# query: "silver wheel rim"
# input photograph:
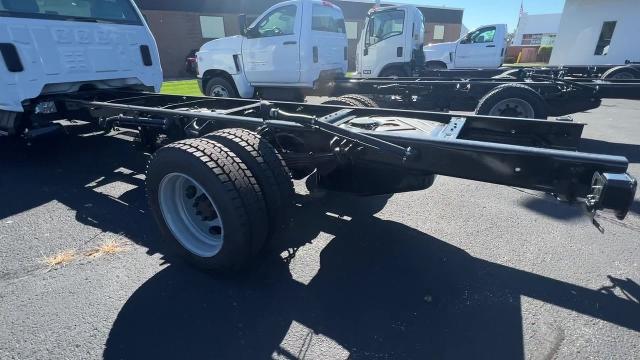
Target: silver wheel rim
(513, 107)
(219, 91)
(191, 215)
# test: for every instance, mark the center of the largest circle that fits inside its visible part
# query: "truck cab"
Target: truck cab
(290, 46)
(391, 42)
(481, 48)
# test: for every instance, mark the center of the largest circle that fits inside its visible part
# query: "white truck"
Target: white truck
(391, 42)
(481, 48)
(53, 47)
(290, 46)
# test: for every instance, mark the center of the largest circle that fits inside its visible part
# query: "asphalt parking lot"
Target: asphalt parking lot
(461, 270)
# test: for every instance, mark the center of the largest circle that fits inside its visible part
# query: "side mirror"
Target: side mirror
(242, 23)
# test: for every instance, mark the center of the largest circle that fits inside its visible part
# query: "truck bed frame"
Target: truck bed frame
(603, 72)
(365, 151)
(548, 94)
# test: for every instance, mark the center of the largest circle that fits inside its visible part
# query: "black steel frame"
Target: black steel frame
(573, 71)
(526, 153)
(563, 96)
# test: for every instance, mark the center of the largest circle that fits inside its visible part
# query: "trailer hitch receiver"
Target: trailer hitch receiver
(612, 191)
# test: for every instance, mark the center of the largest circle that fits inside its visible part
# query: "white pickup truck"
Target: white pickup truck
(290, 46)
(481, 48)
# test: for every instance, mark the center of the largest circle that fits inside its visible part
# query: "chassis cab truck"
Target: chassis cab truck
(391, 42)
(482, 48)
(289, 47)
(62, 47)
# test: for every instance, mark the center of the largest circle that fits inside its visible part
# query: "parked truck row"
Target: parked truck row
(296, 49)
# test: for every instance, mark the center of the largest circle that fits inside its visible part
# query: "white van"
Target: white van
(63, 46)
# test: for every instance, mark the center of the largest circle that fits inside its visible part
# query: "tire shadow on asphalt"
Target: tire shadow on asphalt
(383, 290)
(630, 151)
(73, 170)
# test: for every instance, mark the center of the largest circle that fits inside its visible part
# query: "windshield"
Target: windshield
(113, 11)
(383, 25)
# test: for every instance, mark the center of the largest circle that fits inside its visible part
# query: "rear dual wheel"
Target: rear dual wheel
(217, 202)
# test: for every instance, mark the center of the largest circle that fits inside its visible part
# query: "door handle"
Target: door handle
(289, 43)
(491, 46)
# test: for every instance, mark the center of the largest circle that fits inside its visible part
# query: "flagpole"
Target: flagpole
(519, 18)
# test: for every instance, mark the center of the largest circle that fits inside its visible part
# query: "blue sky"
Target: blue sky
(482, 12)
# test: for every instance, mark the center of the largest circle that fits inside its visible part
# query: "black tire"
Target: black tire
(233, 188)
(220, 83)
(266, 164)
(621, 73)
(343, 101)
(364, 100)
(393, 72)
(435, 65)
(513, 91)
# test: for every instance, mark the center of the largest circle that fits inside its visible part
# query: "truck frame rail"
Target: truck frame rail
(543, 94)
(526, 153)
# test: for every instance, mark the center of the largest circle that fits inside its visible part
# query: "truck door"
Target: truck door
(328, 41)
(480, 49)
(271, 51)
(384, 41)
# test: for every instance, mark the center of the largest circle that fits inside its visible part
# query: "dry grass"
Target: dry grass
(60, 259)
(109, 247)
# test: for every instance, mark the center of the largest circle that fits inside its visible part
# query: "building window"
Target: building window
(212, 27)
(438, 32)
(548, 40)
(608, 27)
(538, 39)
(531, 39)
(352, 30)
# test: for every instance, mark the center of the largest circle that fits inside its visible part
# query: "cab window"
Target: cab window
(328, 19)
(383, 25)
(114, 11)
(484, 35)
(278, 22)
